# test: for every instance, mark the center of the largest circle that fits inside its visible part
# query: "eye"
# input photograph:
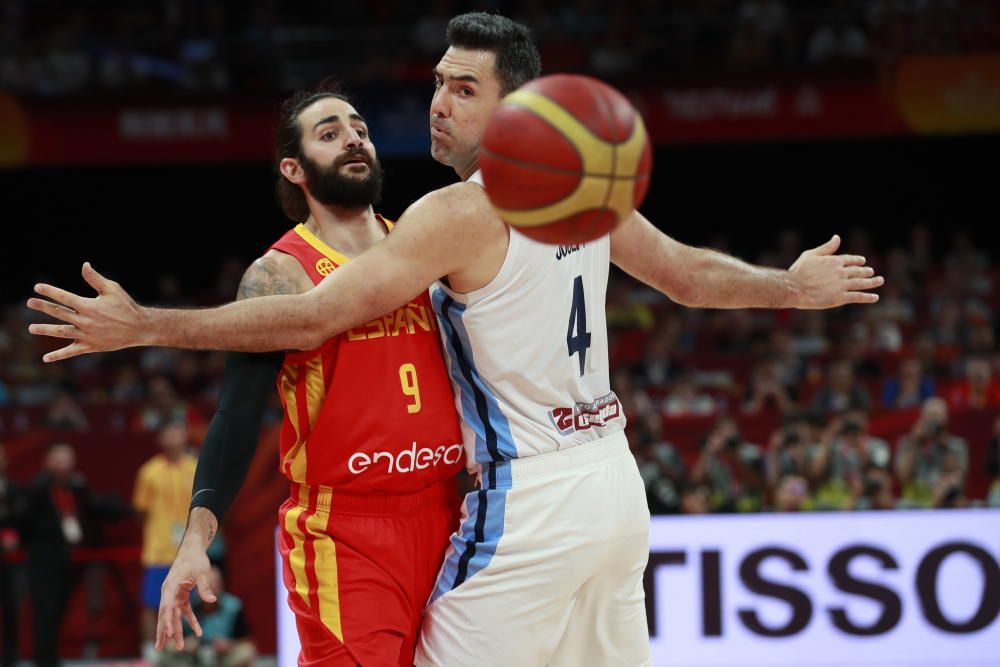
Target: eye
(437, 83)
(363, 134)
(466, 92)
(329, 135)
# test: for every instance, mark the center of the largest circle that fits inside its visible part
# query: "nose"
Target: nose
(439, 104)
(352, 139)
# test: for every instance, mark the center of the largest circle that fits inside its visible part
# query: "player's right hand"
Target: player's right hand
(190, 570)
(110, 321)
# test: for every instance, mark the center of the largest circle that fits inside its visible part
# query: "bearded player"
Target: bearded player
(370, 439)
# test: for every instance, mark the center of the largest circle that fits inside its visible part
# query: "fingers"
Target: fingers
(68, 352)
(861, 297)
(205, 588)
(55, 330)
(95, 279)
(859, 272)
(54, 310)
(178, 629)
(861, 284)
(828, 248)
(192, 620)
(853, 260)
(74, 301)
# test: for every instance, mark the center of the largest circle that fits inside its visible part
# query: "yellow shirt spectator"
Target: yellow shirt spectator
(163, 494)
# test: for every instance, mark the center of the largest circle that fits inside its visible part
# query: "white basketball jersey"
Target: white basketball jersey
(528, 353)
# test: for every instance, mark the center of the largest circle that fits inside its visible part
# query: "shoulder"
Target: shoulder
(273, 273)
(457, 204)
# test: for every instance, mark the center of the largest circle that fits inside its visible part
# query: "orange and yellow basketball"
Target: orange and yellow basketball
(565, 158)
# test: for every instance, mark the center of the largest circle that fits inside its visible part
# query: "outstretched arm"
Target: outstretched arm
(247, 384)
(423, 247)
(704, 278)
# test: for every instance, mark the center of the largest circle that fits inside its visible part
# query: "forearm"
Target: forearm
(716, 280)
(201, 529)
(264, 324)
(233, 434)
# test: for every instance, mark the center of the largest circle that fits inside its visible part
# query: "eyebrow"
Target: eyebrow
(335, 118)
(464, 77)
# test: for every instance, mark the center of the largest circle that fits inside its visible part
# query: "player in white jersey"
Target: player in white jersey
(546, 568)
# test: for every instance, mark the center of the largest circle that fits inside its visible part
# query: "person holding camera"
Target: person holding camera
(931, 462)
(839, 461)
(733, 468)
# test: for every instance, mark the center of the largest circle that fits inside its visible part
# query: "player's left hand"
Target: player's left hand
(826, 280)
(110, 321)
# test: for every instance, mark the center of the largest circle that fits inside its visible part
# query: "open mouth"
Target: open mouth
(355, 161)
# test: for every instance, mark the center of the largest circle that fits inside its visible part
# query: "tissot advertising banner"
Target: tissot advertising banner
(863, 589)
(913, 589)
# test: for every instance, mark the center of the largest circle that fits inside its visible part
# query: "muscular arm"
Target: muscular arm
(440, 235)
(231, 441)
(705, 278)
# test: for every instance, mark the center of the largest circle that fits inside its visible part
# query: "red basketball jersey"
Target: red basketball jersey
(370, 410)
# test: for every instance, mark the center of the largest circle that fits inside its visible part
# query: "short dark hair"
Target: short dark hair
(288, 143)
(517, 56)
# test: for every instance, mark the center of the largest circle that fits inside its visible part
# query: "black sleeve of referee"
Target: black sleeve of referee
(247, 384)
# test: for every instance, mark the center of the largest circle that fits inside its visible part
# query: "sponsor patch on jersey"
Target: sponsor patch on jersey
(583, 416)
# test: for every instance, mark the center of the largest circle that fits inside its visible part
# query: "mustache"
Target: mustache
(353, 154)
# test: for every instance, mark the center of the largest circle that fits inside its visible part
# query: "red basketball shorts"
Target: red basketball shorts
(360, 568)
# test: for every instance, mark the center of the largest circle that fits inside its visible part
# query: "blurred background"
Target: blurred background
(138, 135)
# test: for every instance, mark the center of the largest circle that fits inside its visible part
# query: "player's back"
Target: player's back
(528, 352)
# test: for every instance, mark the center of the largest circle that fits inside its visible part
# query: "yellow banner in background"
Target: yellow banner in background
(950, 94)
(13, 133)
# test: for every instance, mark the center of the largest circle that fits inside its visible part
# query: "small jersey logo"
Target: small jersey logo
(324, 266)
(583, 416)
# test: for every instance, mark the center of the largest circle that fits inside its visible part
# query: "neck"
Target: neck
(466, 169)
(348, 230)
(173, 457)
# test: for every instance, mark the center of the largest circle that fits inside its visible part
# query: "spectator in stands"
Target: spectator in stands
(993, 466)
(841, 391)
(660, 465)
(930, 458)
(979, 389)
(66, 414)
(162, 406)
(56, 520)
(696, 498)
(11, 514)
(162, 496)
(811, 336)
(225, 639)
(838, 41)
(733, 468)
(686, 400)
(767, 391)
(910, 388)
(839, 461)
(792, 494)
(789, 448)
(875, 492)
(128, 386)
(657, 367)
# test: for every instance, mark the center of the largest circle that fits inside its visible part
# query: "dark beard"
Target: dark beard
(328, 186)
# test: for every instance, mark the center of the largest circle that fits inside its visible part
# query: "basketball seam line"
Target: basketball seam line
(557, 170)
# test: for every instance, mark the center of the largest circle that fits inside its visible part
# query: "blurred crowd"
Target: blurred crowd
(57, 48)
(863, 407)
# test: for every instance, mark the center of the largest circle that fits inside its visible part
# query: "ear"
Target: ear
(292, 170)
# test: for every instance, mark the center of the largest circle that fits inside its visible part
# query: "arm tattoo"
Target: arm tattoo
(264, 278)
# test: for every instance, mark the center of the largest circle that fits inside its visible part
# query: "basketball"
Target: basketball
(565, 158)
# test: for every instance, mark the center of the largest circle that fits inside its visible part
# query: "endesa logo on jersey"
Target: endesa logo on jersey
(406, 460)
(583, 416)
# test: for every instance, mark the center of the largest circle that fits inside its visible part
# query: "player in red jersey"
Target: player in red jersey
(370, 439)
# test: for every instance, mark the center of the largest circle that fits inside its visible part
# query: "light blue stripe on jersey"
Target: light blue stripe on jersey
(477, 539)
(476, 396)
